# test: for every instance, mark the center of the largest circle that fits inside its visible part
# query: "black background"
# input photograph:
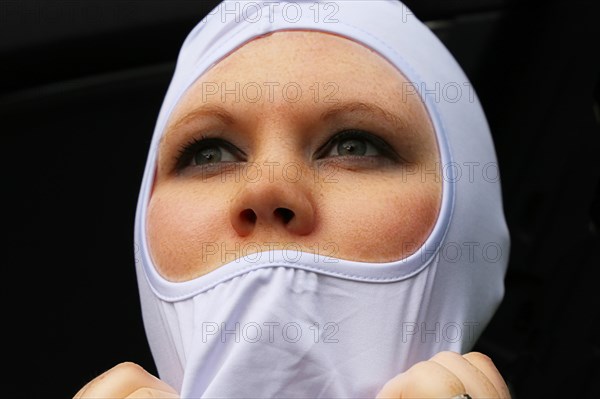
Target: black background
(81, 86)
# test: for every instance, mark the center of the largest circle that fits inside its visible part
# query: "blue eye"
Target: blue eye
(356, 143)
(212, 154)
(207, 151)
(353, 146)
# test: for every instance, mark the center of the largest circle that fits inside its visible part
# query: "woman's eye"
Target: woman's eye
(360, 147)
(213, 154)
(207, 151)
(356, 143)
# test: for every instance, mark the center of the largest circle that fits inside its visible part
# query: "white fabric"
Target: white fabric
(374, 319)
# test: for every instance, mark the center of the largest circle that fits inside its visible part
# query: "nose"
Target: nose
(273, 205)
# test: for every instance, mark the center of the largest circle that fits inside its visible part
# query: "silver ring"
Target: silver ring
(462, 396)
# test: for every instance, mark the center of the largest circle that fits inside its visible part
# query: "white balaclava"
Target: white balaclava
(277, 324)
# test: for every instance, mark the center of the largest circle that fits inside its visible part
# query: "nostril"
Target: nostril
(284, 214)
(248, 215)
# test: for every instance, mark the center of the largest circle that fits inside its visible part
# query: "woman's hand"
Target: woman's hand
(126, 380)
(446, 375)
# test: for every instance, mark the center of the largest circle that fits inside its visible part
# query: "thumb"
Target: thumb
(423, 380)
(126, 380)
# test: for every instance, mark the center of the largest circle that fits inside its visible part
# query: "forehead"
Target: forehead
(301, 54)
(322, 67)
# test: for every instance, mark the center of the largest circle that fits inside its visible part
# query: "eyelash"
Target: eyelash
(346, 134)
(188, 151)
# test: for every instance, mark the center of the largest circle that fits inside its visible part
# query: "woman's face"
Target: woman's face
(297, 141)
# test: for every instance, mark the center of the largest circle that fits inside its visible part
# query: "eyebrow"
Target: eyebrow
(214, 111)
(356, 106)
(331, 113)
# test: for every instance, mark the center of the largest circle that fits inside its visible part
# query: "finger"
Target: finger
(487, 367)
(121, 381)
(423, 380)
(82, 390)
(475, 381)
(147, 393)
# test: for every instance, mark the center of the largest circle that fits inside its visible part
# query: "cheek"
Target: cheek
(414, 213)
(383, 221)
(182, 226)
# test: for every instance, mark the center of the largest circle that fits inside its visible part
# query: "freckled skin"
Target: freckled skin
(350, 210)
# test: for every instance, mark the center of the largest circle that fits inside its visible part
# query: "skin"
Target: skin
(373, 201)
(336, 202)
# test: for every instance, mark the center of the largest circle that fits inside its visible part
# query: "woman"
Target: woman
(320, 214)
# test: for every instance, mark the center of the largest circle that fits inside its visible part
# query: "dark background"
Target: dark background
(81, 85)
